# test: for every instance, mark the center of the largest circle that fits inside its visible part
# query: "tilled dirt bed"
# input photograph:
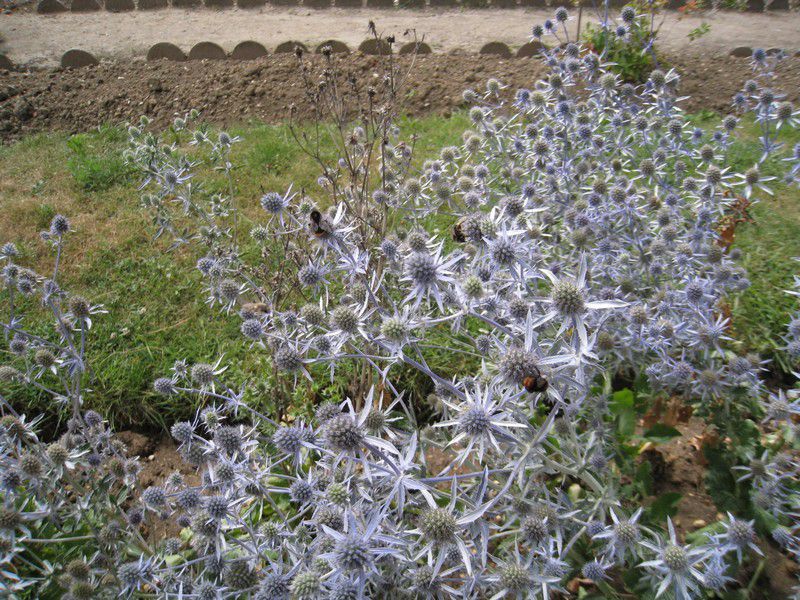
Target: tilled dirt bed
(229, 92)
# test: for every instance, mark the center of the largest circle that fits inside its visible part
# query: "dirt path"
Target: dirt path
(38, 40)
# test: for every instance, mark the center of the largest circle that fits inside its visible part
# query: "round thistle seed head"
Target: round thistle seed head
(44, 358)
(189, 499)
(10, 480)
(740, 533)
(343, 434)
(252, 329)
(226, 472)
(239, 576)
(313, 315)
(675, 558)
(534, 529)
(301, 492)
(57, 453)
(275, 586)
(421, 267)
(288, 439)
(182, 431)
(18, 345)
(473, 287)
(79, 306)
(394, 329)
(475, 422)
(288, 359)
(514, 578)
(228, 439)
(483, 343)
(130, 574)
(594, 571)
(217, 507)
(417, 241)
(272, 202)
(164, 386)
(326, 411)
(567, 298)
(438, 526)
(8, 373)
(92, 418)
(229, 290)
(78, 569)
(517, 364)
(345, 319)
(389, 249)
(306, 585)
(59, 225)
(30, 465)
(352, 553)
(628, 14)
(10, 519)
(658, 78)
(375, 421)
(626, 533)
(310, 275)
(504, 251)
(713, 175)
(260, 234)
(82, 590)
(594, 527)
(330, 518)
(154, 496)
(638, 315)
(518, 308)
(338, 494)
(202, 373)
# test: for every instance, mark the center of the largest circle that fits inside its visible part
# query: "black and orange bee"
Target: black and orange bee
(320, 225)
(535, 383)
(458, 231)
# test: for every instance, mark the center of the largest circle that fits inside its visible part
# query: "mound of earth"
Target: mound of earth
(232, 92)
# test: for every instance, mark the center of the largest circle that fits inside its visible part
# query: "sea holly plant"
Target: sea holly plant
(581, 240)
(62, 500)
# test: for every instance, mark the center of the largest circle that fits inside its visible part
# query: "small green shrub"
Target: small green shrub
(97, 163)
(629, 54)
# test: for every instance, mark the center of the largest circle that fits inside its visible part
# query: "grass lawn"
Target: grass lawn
(156, 308)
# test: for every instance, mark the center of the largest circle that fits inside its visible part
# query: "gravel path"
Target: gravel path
(39, 40)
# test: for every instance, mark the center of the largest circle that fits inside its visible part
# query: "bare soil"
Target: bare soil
(229, 92)
(679, 466)
(33, 39)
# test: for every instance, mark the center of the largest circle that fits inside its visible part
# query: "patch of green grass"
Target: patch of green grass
(96, 162)
(768, 244)
(155, 299)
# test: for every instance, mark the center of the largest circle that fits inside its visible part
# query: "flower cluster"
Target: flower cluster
(582, 239)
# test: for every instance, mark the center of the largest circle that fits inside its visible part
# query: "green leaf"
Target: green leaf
(745, 433)
(721, 483)
(622, 406)
(660, 433)
(666, 505)
(621, 398)
(644, 477)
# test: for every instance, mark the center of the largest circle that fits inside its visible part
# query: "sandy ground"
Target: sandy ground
(39, 40)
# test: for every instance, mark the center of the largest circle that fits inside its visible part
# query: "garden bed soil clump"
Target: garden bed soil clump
(229, 92)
